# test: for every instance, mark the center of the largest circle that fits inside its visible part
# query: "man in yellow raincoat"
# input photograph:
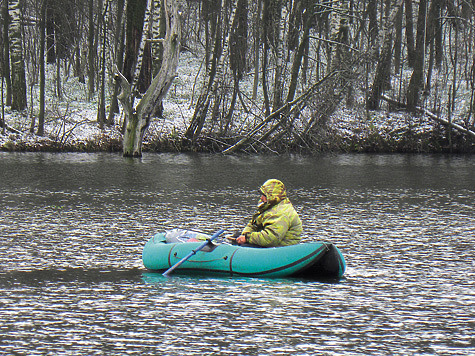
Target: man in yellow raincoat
(276, 223)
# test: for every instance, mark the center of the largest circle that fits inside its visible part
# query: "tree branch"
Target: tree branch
(276, 113)
(125, 92)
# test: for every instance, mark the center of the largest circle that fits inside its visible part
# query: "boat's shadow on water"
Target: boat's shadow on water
(156, 277)
(98, 275)
(70, 275)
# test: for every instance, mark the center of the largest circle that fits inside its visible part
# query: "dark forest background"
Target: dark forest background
(289, 63)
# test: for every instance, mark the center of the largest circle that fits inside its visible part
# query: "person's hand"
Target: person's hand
(241, 240)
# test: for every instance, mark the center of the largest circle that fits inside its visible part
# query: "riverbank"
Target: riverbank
(368, 141)
(71, 125)
(381, 134)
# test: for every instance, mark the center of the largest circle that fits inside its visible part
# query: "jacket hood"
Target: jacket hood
(274, 190)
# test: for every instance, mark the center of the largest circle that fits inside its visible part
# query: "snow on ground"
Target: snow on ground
(71, 120)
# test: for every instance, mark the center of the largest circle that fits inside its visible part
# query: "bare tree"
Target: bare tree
(383, 68)
(101, 109)
(417, 78)
(42, 29)
(118, 43)
(16, 55)
(411, 52)
(6, 53)
(215, 80)
(137, 119)
(91, 56)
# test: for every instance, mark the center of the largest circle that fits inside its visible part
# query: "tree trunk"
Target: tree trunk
(17, 62)
(158, 31)
(133, 38)
(257, 44)
(373, 28)
(238, 40)
(266, 20)
(91, 51)
(433, 27)
(50, 47)
(409, 33)
(2, 119)
(57, 81)
(398, 39)
(157, 47)
(138, 120)
(416, 82)
(6, 54)
(41, 115)
(211, 89)
(143, 71)
(101, 110)
(439, 43)
(278, 54)
(210, 16)
(299, 56)
(454, 59)
(229, 115)
(119, 59)
(383, 69)
(470, 121)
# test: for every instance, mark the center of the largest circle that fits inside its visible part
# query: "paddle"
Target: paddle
(193, 252)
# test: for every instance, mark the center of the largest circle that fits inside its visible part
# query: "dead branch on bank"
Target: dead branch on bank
(287, 106)
(9, 128)
(433, 116)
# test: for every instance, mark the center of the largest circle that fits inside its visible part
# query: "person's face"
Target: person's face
(263, 198)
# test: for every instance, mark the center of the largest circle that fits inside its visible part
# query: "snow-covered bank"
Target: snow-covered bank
(71, 125)
(384, 134)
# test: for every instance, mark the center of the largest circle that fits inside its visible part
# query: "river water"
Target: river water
(73, 226)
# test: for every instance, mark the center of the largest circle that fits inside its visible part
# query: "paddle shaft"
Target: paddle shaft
(193, 252)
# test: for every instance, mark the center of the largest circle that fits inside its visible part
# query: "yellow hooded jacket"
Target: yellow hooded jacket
(276, 223)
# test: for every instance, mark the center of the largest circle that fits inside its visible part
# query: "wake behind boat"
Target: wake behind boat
(313, 260)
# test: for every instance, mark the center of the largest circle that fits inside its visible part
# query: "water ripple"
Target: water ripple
(72, 281)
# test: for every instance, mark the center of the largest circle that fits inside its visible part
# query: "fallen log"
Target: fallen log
(433, 117)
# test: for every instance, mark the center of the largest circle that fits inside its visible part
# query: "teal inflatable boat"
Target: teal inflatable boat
(314, 260)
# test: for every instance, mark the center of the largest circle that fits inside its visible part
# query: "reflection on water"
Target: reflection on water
(73, 225)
